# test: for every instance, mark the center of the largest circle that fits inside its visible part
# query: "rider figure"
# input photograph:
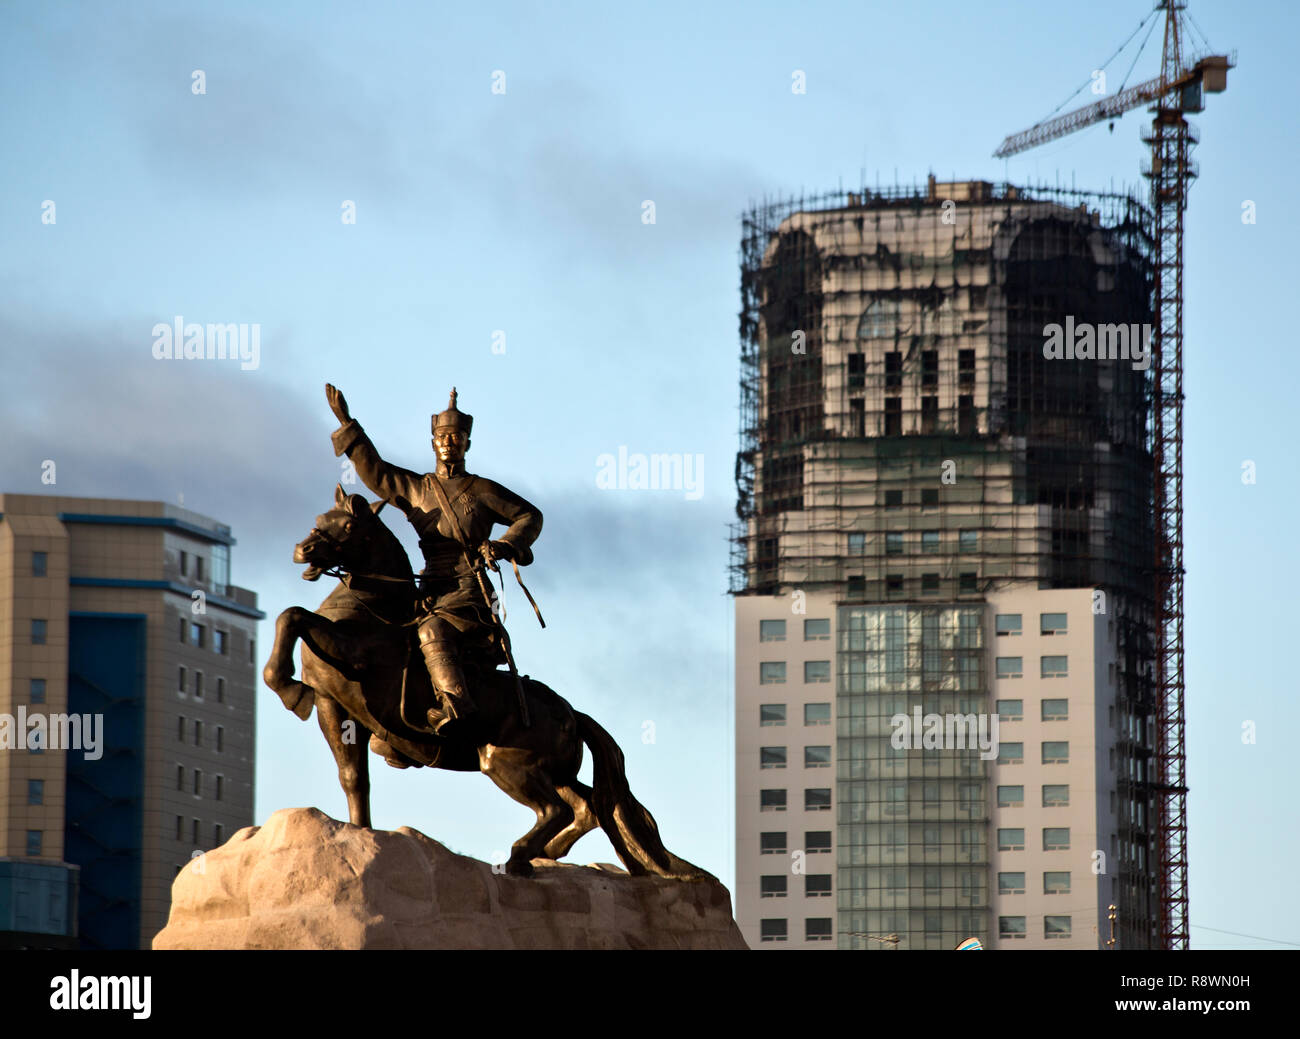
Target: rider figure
(451, 611)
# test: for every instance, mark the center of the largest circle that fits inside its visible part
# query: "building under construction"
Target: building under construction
(945, 408)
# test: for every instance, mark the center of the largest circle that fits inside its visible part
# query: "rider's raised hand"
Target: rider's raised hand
(337, 403)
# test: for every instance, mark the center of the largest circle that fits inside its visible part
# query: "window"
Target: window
(198, 568)
(968, 540)
(40, 564)
(771, 757)
(771, 800)
(194, 832)
(857, 587)
(1056, 710)
(817, 841)
(180, 777)
(929, 496)
(219, 785)
(221, 737)
(1056, 795)
(771, 931)
(185, 564)
(817, 885)
(857, 371)
(857, 417)
(771, 714)
(894, 584)
(1056, 927)
(929, 584)
(966, 367)
(180, 680)
(221, 690)
(1011, 710)
(1011, 839)
(1054, 624)
(33, 843)
(893, 370)
(966, 414)
(37, 690)
(1011, 927)
(1010, 667)
(969, 796)
(39, 630)
(1056, 667)
(930, 368)
(1008, 624)
(1056, 838)
(817, 929)
(217, 833)
(196, 635)
(185, 630)
(817, 757)
(252, 651)
(929, 541)
(817, 629)
(817, 714)
(1011, 796)
(771, 631)
(198, 782)
(180, 728)
(198, 733)
(1056, 883)
(893, 499)
(1010, 753)
(968, 581)
(35, 791)
(816, 671)
(857, 545)
(817, 799)
(772, 843)
(180, 830)
(1011, 883)
(219, 640)
(771, 672)
(772, 886)
(1056, 752)
(893, 544)
(198, 685)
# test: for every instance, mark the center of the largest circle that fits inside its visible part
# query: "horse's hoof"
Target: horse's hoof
(519, 867)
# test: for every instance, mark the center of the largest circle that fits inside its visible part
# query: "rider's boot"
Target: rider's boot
(449, 684)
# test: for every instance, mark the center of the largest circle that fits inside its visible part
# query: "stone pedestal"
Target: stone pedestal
(306, 881)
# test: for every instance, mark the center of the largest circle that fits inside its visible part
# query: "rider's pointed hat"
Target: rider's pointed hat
(453, 418)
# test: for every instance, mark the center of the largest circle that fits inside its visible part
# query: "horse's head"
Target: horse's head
(342, 537)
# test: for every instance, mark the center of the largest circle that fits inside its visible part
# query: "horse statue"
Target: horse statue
(356, 649)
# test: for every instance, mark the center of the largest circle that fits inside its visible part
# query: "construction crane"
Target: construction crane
(1178, 90)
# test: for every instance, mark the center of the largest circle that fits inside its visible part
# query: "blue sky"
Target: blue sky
(521, 212)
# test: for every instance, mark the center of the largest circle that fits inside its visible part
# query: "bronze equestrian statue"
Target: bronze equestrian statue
(368, 646)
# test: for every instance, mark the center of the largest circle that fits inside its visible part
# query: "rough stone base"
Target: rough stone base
(306, 881)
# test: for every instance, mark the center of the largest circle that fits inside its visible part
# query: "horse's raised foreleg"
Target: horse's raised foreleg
(518, 773)
(348, 740)
(278, 673)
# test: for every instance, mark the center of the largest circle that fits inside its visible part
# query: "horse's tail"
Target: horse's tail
(630, 828)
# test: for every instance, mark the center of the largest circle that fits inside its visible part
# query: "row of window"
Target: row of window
(967, 581)
(815, 799)
(813, 757)
(1055, 795)
(815, 885)
(218, 788)
(1055, 752)
(1055, 838)
(218, 832)
(772, 672)
(1048, 624)
(196, 634)
(192, 682)
(1055, 882)
(815, 629)
(1054, 710)
(773, 842)
(1057, 666)
(815, 929)
(219, 743)
(1014, 927)
(813, 714)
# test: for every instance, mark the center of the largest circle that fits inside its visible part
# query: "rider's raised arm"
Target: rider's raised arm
(523, 519)
(390, 482)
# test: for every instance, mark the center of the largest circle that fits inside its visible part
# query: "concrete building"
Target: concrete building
(941, 517)
(127, 677)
